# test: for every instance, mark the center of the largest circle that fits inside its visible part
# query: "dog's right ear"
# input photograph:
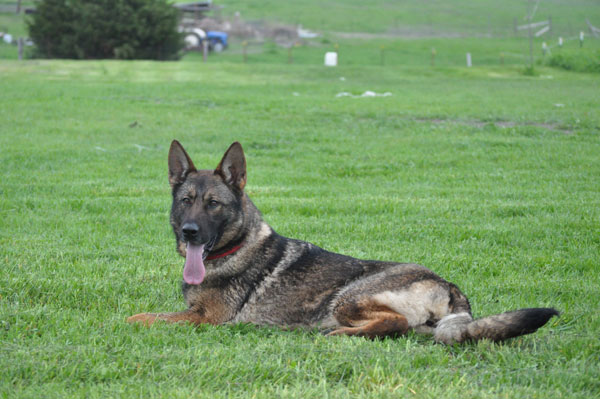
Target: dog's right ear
(180, 164)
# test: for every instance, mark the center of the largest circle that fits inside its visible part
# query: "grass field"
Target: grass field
(487, 176)
(426, 18)
(405, 52)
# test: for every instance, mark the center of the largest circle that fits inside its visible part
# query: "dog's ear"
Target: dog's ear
(180, 164)
(232, 167)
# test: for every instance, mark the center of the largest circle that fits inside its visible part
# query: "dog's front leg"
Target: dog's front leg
(187, 316)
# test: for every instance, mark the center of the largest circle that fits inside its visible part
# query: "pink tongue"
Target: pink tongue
(193, 272)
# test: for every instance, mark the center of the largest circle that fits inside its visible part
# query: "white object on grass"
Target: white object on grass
(331, 58)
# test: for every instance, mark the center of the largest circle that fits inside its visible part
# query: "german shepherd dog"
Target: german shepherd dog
(238, 269)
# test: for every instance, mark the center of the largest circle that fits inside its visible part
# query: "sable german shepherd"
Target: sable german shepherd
(238, 269)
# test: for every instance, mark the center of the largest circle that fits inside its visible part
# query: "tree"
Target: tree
(96, 29)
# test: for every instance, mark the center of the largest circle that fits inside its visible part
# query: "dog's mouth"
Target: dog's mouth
(194, 270)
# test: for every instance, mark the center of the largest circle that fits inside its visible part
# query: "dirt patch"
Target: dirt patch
(247, 30)
(501, 124)
(398, 34)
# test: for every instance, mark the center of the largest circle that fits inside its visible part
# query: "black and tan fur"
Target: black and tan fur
(273, 280)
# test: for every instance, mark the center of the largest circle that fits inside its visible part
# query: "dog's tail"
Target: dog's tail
(460, 327)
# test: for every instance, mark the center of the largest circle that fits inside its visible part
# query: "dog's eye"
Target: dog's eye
(186, 200)
(213, 203)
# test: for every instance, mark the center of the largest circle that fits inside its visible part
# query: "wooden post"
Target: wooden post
(204, 49)
(530, 34)
(18, 6)
(593, 30)
(21, 44)
(433, 52)
(244, 47)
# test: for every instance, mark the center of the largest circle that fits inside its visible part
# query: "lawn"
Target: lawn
(487, 176)
(418, 18)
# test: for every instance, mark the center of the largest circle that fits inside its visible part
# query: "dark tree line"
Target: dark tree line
(99, 29)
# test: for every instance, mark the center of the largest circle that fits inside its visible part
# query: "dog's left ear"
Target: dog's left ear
(232, 167)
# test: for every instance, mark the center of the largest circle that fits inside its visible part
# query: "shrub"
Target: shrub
(580, 60)
(94, 29)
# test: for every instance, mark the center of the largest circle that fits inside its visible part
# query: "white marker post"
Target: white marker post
(544, 48)
(581, 39)
(469, 64)
(560, 41)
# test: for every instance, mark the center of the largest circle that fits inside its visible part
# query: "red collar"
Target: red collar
(224, 254)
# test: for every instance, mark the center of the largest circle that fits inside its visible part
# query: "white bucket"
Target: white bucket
(331, 59)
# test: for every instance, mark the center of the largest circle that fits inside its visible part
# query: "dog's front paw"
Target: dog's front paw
(144, 318)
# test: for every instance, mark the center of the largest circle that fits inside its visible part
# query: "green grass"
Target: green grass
(456, 17)
(476, 173)
(402, 52)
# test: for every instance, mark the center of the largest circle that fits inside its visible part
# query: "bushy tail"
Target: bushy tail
(460, 327)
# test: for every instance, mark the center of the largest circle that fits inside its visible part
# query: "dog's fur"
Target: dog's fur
(254, 275)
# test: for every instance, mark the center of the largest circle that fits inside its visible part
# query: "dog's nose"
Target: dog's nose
(190, 230)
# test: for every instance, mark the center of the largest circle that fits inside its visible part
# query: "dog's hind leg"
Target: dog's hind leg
(392, 302)
(368, 319)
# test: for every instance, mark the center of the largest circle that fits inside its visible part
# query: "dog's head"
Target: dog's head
(208, 206)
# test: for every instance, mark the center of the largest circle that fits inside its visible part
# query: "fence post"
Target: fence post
(20, 43)
(529, 33)
(245, 46)
(204, 50)
(18, 6)
(469, 64)
(501, 58)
